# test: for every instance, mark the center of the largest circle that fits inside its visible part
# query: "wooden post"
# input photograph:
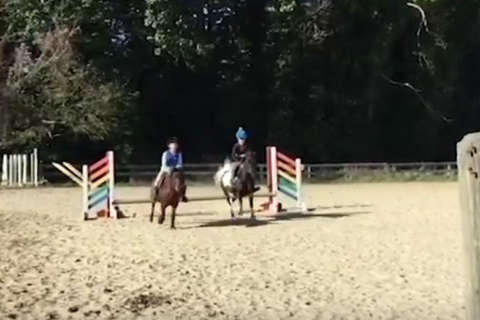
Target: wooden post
(468, 160)
(19, 170)
(35, 167)
(15, 170)
(5, 170)
(10, 170)
(31, 182)
(85, 180)
(24, 169)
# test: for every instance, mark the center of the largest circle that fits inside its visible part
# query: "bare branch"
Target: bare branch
(417, 92)
(423, 22)
(403, 84)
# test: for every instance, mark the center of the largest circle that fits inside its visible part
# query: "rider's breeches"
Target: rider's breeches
(162, 173)
(234, 167)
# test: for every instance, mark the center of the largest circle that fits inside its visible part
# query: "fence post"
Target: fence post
(35, 167)
(10, 170)
(24, 169)
(19, 170)
(5, 170)
(31, 168)
(14, 173)
(468, 160)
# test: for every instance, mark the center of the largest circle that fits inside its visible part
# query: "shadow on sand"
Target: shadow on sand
(269, 219)
(346, 206)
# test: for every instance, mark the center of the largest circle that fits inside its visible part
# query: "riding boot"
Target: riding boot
(235, 175)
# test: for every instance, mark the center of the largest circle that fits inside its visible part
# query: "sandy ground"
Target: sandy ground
(368, 251)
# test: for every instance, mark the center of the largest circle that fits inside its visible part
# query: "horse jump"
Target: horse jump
(19, 170)
(97, 182)
(284, 175)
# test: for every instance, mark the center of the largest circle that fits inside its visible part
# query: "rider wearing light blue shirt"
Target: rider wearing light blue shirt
(172, 159)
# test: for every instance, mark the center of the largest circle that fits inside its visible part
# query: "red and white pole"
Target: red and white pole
(112, 212)
(273, 177)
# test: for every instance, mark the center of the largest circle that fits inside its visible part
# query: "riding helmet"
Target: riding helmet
(172, 140)
(241, 134)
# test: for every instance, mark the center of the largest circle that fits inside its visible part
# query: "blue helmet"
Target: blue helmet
(241, 134)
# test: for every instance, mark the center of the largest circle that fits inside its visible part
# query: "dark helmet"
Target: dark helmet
(172, 140)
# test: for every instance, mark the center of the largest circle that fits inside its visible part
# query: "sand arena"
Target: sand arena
(367, 251)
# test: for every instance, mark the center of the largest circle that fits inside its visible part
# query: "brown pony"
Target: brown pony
(168, 194)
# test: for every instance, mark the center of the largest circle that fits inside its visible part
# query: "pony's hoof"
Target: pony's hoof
(173, 228)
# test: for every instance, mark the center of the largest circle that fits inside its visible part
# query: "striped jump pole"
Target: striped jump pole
(100, 184)
(284, 175)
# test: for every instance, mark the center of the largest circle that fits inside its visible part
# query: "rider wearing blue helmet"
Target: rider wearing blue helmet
(239, 150)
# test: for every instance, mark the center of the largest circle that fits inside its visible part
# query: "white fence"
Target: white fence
(20, 170)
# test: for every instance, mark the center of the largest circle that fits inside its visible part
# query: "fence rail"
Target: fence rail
(324, 171)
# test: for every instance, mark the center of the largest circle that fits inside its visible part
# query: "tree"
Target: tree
(53, 94)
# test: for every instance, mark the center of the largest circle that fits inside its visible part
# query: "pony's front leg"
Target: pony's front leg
(153, 211)
(172, 225)
(229, 201)
(161, 218)
(252, 211)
